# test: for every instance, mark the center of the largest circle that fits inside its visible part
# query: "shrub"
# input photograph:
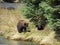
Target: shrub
(43, 13)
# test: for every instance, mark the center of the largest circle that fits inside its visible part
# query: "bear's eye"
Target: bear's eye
(26, 24)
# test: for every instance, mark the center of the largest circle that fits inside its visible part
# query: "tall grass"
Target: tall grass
(8, 26)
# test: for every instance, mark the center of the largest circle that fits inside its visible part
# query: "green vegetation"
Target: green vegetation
(44, 9)
(45, 12)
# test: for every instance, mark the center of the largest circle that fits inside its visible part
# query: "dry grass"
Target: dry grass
(9, 19)
(8, 22)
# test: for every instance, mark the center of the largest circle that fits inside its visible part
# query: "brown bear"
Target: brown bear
(22, 26)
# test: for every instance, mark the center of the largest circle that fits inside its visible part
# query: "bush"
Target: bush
(44, 13)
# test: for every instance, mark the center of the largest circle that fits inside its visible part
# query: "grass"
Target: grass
(8, 23)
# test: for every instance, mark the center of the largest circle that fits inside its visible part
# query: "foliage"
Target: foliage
(51, 14)
(42, 11)
(31, 10)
